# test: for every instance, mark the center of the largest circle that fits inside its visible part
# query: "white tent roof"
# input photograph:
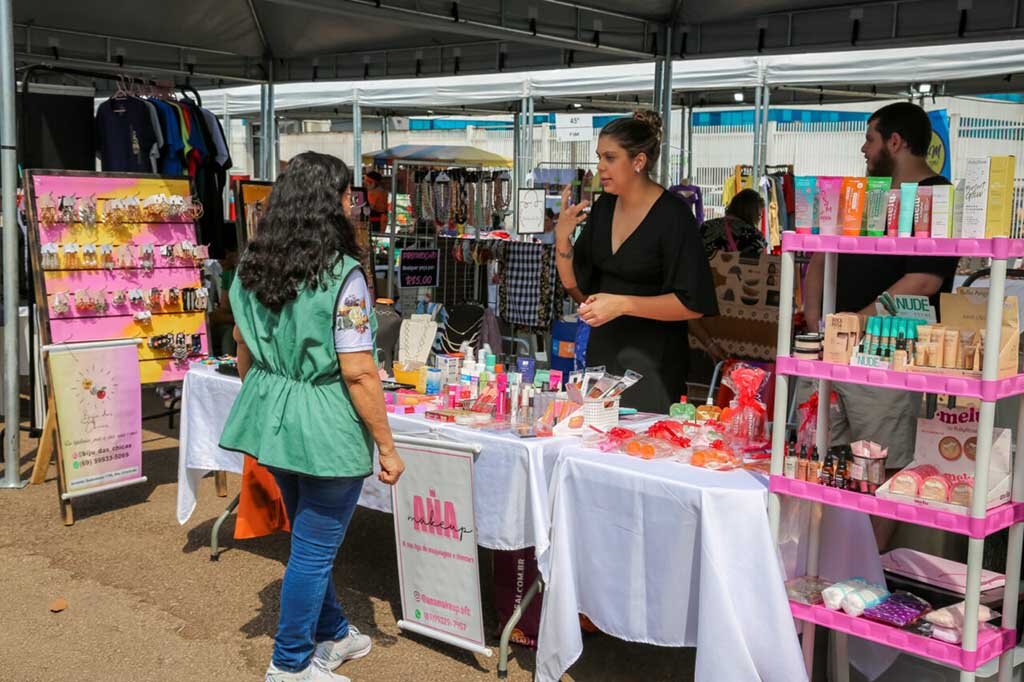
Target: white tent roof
(894, 65)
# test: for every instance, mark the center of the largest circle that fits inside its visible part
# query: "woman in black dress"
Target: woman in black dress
(638, 268)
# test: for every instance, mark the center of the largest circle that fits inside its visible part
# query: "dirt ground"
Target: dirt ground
(145, 603)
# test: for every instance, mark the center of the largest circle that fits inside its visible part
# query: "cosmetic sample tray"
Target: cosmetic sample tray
(997, 518)
(996, 247)
(920, 382)
(991, 643)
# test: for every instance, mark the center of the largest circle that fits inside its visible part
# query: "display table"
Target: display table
(511, 474)
(668, 554)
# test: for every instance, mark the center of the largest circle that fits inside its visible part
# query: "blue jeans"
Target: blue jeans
(319, 510)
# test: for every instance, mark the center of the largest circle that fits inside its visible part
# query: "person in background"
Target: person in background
(896, 146)
(377, 200)
(638, 266)
(222, 322)
(311, 407)
(550, 220)
(739, 230)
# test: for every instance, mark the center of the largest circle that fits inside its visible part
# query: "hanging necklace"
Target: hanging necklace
(442, 200)
(471, 200)
(426, 209)
(459, 201)
(487, 199)
(501, 182)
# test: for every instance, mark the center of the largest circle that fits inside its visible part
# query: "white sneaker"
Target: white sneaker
(313, 673)
(329, 655)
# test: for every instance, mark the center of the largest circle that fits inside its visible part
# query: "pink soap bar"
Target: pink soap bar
(935, 488)
(909, 481)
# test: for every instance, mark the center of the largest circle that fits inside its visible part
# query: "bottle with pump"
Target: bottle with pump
(825, 477)
(801, 465)
(789, 464)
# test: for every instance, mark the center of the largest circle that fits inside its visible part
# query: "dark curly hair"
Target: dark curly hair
(303, 234)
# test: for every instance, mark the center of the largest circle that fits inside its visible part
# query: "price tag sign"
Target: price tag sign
(418, 268)
(574, 127)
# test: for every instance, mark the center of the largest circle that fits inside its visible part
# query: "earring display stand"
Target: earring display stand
(162, 261)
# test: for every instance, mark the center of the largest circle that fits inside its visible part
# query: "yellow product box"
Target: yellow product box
(1000, 196)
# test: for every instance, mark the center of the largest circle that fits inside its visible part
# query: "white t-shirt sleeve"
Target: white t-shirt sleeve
(352, 316)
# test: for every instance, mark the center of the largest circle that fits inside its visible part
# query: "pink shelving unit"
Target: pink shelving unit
(997, 519)
(991, 643)
(921, 382)
(997, 247)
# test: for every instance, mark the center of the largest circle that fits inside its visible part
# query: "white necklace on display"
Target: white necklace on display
(415, 345)
(442, 200)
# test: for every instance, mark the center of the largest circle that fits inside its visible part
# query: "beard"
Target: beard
(882, 165)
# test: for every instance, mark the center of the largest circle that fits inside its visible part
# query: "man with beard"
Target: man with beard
(896, 146)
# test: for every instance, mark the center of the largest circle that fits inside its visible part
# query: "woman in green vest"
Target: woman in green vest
(311, 406)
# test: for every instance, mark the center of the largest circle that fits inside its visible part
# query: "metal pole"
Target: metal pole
(9, 179)
(357, 142)
(517, 167)
(530, 159)
(275, 153)
(757, 131)
(392, 229)
(659, 64)
(262, 165)
(765, 108)
(227, 143)
(689, 144)
(666, 112)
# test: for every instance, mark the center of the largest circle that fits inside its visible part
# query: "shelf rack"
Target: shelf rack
(975, 651)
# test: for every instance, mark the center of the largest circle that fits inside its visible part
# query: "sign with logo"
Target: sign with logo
(938, 151)
(98, 398)
(914, 307)
(418, 268)
(574, 127)
(435, 531)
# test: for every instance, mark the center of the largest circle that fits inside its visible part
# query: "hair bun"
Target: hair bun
(652, 119)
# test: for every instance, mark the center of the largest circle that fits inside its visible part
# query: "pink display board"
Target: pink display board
(74, 274)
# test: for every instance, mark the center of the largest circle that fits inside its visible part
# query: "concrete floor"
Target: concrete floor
(145, 603)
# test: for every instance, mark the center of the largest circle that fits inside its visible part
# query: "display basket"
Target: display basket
(601, 414)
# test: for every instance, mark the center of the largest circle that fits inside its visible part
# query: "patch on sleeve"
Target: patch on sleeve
(352, 315)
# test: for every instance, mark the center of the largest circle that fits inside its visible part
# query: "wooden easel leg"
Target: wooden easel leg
(220, 478)
(44, 453)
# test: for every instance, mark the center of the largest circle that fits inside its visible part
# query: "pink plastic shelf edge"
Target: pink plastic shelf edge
(996, 520)
(919, 382)
(996, 247)
(990, 643)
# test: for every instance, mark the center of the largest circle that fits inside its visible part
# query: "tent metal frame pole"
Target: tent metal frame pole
(227, 142)
(666, 112)
(261, 163)
(659, 65)
(757, 130)
(765, 112)
(357, 142)
(9, 180)
(517, 163)
(392, 228)
(528, 174)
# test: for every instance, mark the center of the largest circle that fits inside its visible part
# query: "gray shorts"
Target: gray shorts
(882, 415)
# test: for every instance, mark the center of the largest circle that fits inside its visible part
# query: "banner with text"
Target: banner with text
(435, 531)
(98, 397)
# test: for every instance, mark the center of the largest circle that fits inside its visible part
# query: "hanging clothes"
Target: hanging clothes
(531, 289)
(125, 139)
(693, 196)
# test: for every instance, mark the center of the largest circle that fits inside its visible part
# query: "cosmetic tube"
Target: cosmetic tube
(908, 194)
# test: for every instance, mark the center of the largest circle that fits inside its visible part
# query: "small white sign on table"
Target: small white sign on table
(435, 533)
(574, 127)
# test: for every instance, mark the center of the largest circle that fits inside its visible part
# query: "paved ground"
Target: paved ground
(145, 603)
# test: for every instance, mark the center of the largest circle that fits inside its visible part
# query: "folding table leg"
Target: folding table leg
(214, 549)
(517, 615)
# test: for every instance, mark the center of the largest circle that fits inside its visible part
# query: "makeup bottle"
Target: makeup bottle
(839, 479)
(875, 330)
(814, 470)
(801, 465)
(883, 346)
(825, 476)
(789, 464)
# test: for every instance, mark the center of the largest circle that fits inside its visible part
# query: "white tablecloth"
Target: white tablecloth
(672, 555)
(511, 474)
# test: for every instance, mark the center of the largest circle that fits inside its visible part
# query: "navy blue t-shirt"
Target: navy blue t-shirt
(125, 136)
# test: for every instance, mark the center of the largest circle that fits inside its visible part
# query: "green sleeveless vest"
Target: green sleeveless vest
(294, 411)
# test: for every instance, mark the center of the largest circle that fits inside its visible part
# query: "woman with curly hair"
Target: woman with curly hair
(311, 406)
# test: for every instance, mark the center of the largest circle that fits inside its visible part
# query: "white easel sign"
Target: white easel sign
(435, 533)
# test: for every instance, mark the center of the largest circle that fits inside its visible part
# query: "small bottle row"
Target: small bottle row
(96, 301)
(181, 345)
(90, 211)
(74, 256)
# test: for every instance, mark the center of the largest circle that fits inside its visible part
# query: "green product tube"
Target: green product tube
(908, 193)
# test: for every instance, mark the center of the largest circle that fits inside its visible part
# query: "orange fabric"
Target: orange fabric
(261, 509)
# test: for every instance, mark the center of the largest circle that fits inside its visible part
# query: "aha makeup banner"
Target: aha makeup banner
(98, 397)
(435, 531)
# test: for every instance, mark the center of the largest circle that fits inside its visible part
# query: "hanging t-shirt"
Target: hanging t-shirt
(171, 159)
(219, 143)
(125, 138)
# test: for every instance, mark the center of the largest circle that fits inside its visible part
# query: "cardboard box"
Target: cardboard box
(947, 442)
(966, 309)
(942, 211)
(843, 332)
(975, 198)
(999, 212)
